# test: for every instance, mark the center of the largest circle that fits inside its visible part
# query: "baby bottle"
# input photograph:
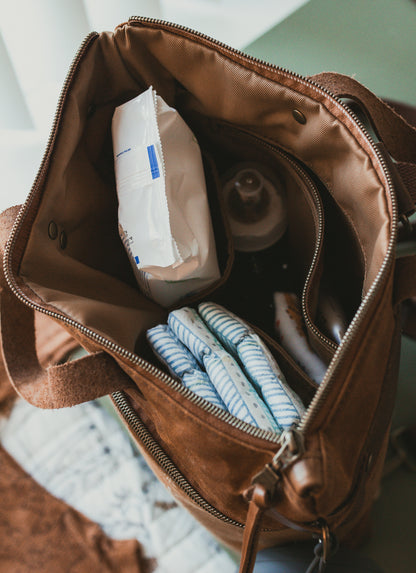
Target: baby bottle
(255, 204)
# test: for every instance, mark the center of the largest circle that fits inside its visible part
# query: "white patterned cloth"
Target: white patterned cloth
(83, 456)
(257, 363)
(181, 363)
(234, 389)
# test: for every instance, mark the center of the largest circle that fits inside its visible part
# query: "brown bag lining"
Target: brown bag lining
(79, 192)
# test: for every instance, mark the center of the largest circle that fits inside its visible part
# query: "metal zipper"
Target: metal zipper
(336, 362)
(152, 447)
(138, 429)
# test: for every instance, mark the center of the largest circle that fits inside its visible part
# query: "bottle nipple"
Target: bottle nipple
(255, 205)
(248, 199)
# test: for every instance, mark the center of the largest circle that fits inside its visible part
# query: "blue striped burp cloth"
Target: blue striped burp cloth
(235, 390)
(257, 362)
(181, 363)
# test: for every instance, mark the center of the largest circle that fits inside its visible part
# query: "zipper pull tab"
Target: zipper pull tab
(263, 494)
(292, 449)
(265, 483)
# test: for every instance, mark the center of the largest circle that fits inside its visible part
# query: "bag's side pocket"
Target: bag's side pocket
(333, 289)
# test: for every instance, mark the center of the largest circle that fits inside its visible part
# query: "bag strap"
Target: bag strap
(398, 135)
(67, 384)
(393, 124)
(260, 501)
(251, 537)
(60, 386)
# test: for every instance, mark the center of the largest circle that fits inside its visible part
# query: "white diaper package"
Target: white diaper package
(164, 217)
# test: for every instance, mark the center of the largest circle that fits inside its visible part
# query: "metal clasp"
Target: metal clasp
(292, 448)
(326, 547)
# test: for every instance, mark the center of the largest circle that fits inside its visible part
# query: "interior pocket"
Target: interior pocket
(323, 253)
(330, 301)
(91, 280)
(299, 255)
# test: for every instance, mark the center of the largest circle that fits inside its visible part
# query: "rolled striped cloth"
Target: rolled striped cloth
(290, 329)
(257, 363)
(237, 393)
(181, 363)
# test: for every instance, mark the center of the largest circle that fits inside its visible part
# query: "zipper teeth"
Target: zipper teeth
(316, 252)
(325, 385)
(303, 174)
(138, 429)
(336, 362)
(305, 177)
(151, 446)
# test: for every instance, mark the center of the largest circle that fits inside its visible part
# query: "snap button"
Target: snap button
(63, 241)
(52, 230)
(299, 116)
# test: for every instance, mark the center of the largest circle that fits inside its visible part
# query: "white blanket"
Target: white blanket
(83, 456)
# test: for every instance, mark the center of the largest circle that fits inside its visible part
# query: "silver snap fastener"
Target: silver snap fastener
(299, 116)
(63, 241)
(52, 230)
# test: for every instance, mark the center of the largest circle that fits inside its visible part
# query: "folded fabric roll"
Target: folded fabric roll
(290, 329)
(237, 393)
(181, 363)
(257, 362)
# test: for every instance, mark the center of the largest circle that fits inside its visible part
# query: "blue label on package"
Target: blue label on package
(154, 167)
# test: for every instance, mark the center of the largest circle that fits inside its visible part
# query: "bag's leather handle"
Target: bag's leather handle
(260, 502)
(58, 386)
(394, 123)
(398, 135)
(251, 535)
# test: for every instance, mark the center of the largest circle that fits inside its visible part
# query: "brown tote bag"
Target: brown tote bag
(349, 195)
